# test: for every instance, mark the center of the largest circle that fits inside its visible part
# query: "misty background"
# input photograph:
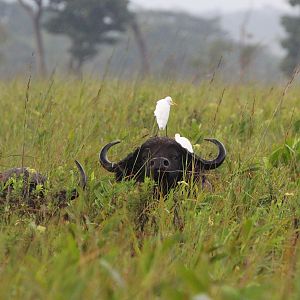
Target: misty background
(185, 40)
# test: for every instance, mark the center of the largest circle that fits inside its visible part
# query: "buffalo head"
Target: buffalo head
(31, 179)
(162, 159)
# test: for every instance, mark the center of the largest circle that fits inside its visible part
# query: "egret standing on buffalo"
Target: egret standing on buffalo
(162, 112)
(184, 142)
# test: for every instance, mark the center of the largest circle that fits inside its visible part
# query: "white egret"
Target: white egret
(184, 142)
(162, 112)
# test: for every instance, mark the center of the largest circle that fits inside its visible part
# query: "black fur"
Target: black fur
(162, 159)
(31, 179)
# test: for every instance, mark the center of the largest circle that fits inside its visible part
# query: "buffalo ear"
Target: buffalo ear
(129, 167)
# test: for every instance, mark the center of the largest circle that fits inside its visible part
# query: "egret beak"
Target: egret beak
(173, 103)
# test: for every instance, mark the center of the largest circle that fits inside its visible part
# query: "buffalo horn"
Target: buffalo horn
(215, 163)
(83, 177)
(104, 161)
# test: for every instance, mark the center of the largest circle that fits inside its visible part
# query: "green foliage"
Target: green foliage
(287, 154)
(297, 127)
(87, 24)
(118, 241)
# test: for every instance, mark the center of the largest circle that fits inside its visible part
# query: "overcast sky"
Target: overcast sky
(201, 6)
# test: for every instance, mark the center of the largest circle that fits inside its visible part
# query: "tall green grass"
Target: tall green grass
(238, 242)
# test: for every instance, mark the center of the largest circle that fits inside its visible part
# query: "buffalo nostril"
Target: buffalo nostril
(166, 163)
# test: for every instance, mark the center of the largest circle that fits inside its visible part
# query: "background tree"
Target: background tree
(178, 45)
(35, 9)
(88, 24)
(141, 43)
(247, 48)
(3, 37)
(292, 42)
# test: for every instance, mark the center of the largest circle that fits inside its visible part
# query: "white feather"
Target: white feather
(184, 142)
(162, 112)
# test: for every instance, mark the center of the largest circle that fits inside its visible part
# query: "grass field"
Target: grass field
(239, 242)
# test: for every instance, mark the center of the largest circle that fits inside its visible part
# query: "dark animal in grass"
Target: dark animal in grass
(164, 160)
(31, 179)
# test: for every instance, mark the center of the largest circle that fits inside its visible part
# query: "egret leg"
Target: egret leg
(154, 131)
(166, 130)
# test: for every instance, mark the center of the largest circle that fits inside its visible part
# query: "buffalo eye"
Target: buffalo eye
(146, 155)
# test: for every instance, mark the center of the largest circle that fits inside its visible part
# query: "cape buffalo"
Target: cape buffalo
(164, 160)
(31, 179)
